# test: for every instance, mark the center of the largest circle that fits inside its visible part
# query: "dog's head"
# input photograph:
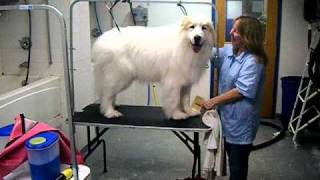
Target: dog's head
(199, 31)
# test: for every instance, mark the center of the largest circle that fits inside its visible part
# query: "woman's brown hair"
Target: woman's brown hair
(251, 30)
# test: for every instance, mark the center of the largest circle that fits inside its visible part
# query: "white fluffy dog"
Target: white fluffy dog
(174, 56)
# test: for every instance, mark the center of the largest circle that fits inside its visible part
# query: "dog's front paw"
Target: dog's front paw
(113, 114)
(177, 115)
(192, 113)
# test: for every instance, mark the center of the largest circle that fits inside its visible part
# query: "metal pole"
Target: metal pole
(49, 37)
(160, 2)
(66, 69)
(71, 53)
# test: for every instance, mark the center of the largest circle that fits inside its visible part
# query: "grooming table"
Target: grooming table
(141, 117)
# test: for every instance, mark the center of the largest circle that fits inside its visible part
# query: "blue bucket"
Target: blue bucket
(6, 130)
(4, 135)
(290, 87)
(43, 156)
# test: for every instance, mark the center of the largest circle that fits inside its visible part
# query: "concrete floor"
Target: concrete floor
(135, 154)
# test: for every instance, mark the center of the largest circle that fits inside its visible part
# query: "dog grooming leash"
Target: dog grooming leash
(111, 14)
(182, 8)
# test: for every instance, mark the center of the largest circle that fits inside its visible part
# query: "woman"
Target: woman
(241, 74)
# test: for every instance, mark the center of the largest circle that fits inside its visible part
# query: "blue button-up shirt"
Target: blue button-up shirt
(240, 119)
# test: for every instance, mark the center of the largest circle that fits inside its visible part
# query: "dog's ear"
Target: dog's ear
(185, 23)
(212, 33)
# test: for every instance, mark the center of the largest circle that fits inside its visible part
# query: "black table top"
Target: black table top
(147, 117)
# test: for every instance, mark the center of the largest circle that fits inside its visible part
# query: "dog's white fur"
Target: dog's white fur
(169, 55)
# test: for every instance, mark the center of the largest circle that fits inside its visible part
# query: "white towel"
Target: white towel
(214, 162)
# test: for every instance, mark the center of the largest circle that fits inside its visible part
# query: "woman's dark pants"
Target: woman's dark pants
(238, 160)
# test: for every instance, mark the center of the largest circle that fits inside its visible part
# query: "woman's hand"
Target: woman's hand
(207, 105)
(227, 97)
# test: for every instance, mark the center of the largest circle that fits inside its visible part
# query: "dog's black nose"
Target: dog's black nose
(197, 39)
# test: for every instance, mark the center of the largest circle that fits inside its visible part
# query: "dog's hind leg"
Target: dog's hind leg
(107, 107)
(113, 84)
(171, 101)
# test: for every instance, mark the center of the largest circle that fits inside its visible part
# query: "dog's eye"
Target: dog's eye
(191, 27)
(204, 28)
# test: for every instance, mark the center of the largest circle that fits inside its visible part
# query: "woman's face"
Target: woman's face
(236, 39)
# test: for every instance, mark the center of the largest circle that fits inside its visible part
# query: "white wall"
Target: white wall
(294, 43)
(83, 73)
(14, 26)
